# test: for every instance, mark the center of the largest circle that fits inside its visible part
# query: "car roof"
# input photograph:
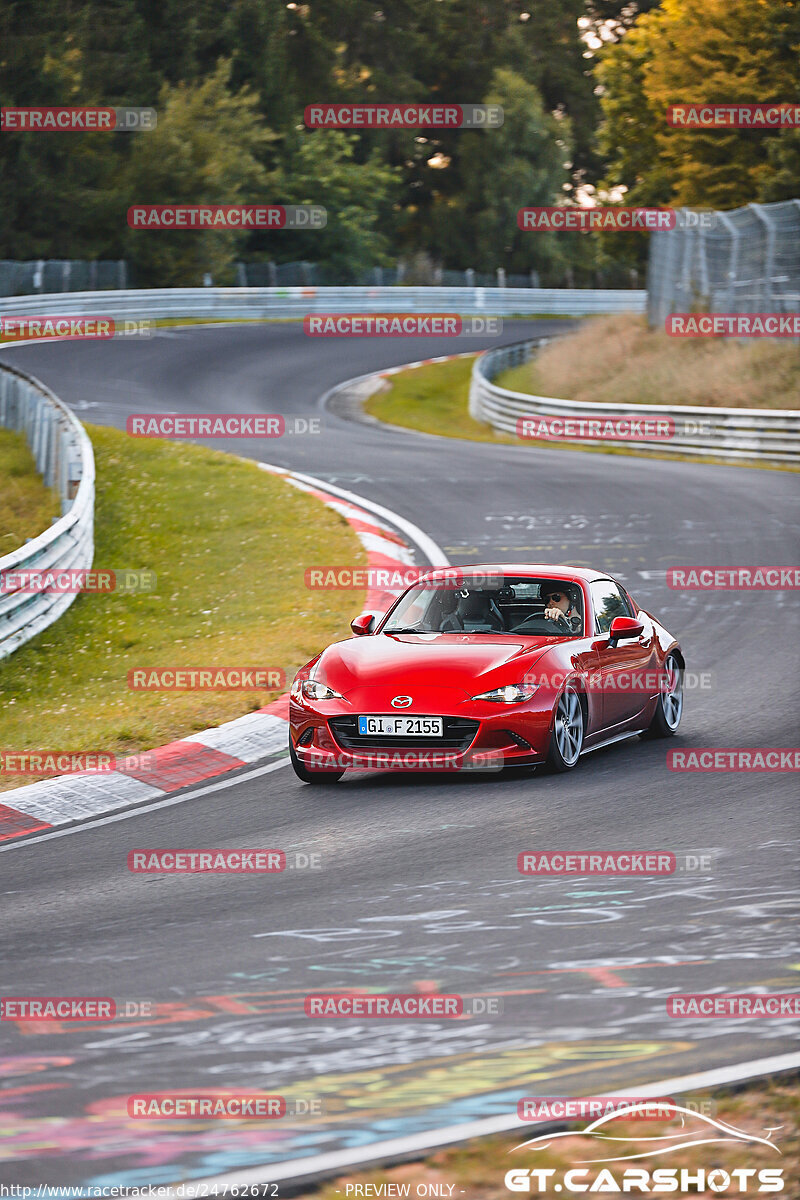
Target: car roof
(525, 570)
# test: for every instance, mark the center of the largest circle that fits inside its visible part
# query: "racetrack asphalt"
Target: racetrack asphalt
(418, 886)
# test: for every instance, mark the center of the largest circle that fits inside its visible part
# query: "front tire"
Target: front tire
(566, 741)
(307, 776)
(669, 706)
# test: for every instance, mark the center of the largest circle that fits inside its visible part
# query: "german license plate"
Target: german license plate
(401, 726)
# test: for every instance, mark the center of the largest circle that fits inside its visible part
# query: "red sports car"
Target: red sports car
(487, 667)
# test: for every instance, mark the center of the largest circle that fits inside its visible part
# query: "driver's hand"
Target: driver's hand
(553, 614)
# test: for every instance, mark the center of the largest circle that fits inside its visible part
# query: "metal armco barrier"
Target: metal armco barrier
(766, 435)
(65, 459)
(281, 302)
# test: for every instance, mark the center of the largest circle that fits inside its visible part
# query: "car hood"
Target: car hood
(446, 660)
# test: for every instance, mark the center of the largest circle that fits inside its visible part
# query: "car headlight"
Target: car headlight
(312, 689)
(512, 693)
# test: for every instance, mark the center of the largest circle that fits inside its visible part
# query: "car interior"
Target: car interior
(504, 606)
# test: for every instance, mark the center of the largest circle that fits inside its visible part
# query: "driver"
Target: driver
(558, 606)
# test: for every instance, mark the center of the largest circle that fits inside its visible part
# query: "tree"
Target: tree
(717, 52)
(206, 149)
(320, 168)
(521, 163)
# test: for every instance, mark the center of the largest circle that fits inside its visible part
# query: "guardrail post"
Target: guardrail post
(54, 436)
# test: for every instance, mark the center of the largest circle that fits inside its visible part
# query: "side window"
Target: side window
(608, 602)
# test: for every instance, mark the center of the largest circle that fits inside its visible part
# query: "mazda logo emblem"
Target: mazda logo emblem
(401, 701)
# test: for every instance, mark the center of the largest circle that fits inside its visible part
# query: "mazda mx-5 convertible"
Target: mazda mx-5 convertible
(483, 667)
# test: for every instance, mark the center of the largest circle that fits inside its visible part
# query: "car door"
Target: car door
(623, 671)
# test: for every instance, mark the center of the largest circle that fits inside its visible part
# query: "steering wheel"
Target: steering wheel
(561, 623)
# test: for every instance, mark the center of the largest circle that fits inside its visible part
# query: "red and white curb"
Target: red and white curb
(426, 362)
(68, 800)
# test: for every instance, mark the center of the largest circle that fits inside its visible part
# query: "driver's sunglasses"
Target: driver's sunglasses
(553, 596)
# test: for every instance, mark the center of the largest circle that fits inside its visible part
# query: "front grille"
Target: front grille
(459, 732)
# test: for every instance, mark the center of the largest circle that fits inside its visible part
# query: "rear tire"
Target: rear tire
(312, 777)
(669, 706)
(566, 741)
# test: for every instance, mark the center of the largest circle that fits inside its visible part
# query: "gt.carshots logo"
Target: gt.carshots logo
(615, 1146)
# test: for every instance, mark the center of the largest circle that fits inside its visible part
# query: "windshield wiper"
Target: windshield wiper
(410, 629)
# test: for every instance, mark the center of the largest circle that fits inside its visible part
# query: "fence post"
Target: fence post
(769, 264)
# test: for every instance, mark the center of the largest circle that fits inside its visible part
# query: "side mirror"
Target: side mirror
(362, 624)
(624, 628)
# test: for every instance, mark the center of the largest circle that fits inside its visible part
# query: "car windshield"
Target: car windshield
(503, 605)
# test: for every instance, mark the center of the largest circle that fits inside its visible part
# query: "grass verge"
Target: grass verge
(619, 359)
(228, 544)
(433, 399)
(476, 1169)
(27, 507)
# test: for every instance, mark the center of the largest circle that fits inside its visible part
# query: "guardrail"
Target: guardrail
(766, 435)
(65, 459)
(282, 302)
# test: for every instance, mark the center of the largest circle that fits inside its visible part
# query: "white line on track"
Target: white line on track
(432, 551)
(414, 1145)
(428, 547)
